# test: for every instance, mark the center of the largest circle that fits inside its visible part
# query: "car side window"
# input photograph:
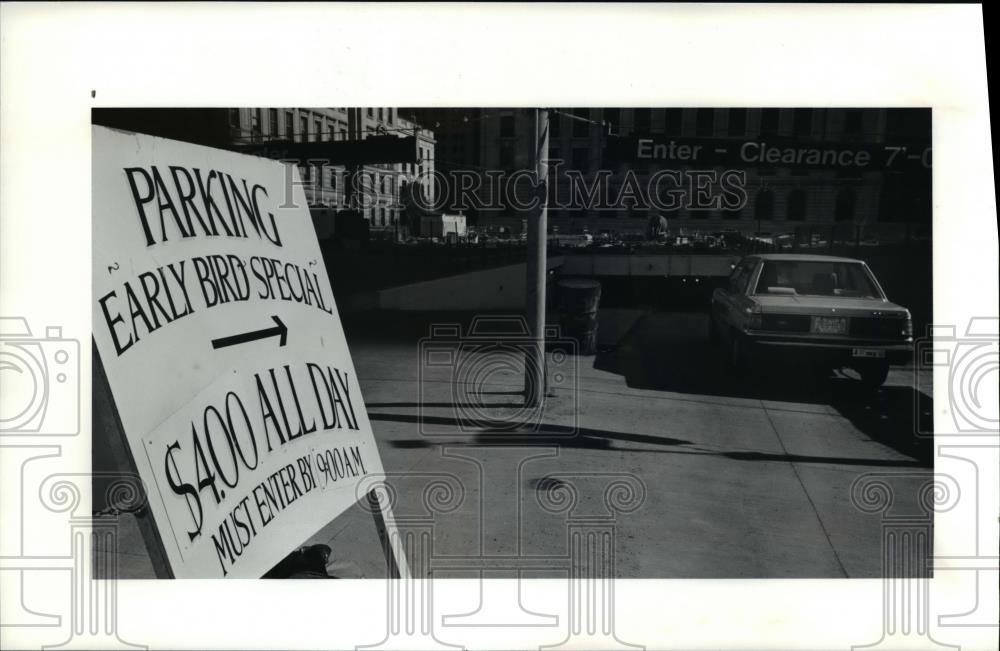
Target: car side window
(740, 277)
(734, 278)
(751, 268)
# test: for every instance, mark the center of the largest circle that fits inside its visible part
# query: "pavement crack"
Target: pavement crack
(805, 491)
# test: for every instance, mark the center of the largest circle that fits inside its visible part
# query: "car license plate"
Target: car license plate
(868, 352)
(827, 325)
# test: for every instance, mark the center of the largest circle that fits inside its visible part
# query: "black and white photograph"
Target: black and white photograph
(533, 325)
(688, 325)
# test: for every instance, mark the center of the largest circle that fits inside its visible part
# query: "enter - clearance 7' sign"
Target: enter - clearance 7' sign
(215, 321)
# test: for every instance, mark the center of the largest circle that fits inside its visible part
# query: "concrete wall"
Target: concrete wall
(490, 289)
(648, 265)
(504, 287)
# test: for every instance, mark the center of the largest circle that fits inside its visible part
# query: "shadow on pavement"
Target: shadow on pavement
(581, 437)
(672, 352)
(594, 439)
(444, 405)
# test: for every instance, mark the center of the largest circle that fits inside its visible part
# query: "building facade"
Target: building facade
(785, 191)
(377, 189)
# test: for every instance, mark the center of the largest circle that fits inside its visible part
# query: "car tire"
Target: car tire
(875, 374)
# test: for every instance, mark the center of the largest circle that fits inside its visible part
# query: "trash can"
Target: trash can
(578, 302)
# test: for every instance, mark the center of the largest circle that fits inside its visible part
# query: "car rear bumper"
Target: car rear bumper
(843, 352)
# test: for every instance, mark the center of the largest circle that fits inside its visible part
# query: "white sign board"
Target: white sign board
(215, 321)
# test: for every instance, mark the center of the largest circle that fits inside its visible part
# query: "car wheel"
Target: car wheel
(874, 375)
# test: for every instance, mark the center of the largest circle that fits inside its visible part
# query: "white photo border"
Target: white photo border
(57, 61)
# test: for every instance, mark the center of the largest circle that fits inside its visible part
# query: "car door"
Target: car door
(730, 301)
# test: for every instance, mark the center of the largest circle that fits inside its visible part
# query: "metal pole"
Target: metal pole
(537, 268)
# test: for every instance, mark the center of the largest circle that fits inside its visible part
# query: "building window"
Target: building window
(507, 126)
(333, 179)
(673, 121)
(769, 122)
(844, 209)
(705, 122)
(848, 173)
(763, 209)
(303, 128)
(642, 119)
(908, 124)
(388, 115)
(796, 205)
(506, 156)
(371, 112)
(802, 119)
(853, 122)
(381, 114)
(319, 130)
(256, 125)
(272, 122)
(902, 201)
(581, 129)
(289, 125)
(343, 133)
(737, 122)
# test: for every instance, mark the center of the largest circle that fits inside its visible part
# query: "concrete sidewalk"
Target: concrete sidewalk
(650, 448)
(697, 475)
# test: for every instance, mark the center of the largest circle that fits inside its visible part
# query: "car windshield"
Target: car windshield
(815, 278)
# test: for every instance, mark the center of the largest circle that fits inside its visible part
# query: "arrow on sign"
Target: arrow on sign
(279, 329)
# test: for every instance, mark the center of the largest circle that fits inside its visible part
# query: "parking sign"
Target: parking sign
(216, 325)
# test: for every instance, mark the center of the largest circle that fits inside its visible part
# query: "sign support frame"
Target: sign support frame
(391, 564)
(105, 416)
